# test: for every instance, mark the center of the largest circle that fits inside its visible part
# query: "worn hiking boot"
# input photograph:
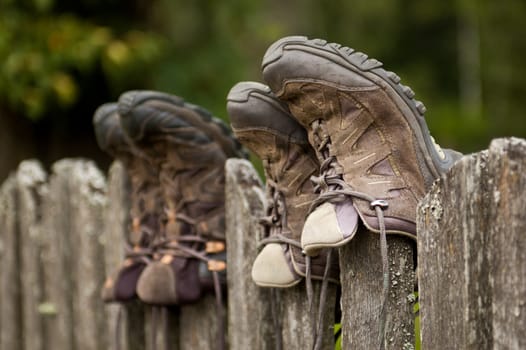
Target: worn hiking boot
(146, 204)
(369, 134)
(190, 147)
(263, 124)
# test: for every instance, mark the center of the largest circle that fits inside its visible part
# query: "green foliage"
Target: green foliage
(338, 335)
(416, 310)
(48, 59)
(464, 58)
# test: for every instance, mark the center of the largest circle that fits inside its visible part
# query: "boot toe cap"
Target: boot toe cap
(271, 268)
(157, 285)
(329, 225)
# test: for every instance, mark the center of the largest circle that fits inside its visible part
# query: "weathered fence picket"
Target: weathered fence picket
(10, 315)
(115, 218)
(31, 185)
(250, 320)
(472, 252)
(361, 300)
(62, 233)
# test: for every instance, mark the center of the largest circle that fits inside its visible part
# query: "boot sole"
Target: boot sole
(212, 126)
(370, 69)
(242, 92)
(104, 124)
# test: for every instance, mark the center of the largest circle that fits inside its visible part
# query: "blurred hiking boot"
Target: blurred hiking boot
(146, 204)
(190, 147)
(263, 124)
(369, 134)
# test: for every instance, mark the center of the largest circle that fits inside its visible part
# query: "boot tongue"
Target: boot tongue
(347, 217)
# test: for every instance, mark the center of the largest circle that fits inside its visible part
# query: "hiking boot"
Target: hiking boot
(146, 206)
(263, 124)
(369, 134)
(190, 147)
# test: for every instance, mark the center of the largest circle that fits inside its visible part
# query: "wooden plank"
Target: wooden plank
(10, 302)
(57, 256)
(362, 287)
(453, 277)
(472, 252)
(126, 321)
(297, 322)
(507, 242)
(250, 320)
(198, 325)
(30, 179)
(87, 198)
(162, 328)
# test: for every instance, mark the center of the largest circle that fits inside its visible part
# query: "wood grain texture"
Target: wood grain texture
(297, 319)
(362, 283)
(250, 320)
(57, 259)
(10, 300)
(472, 255)
(198, 324)
(131, 334)
(31, 186)
(88, 201)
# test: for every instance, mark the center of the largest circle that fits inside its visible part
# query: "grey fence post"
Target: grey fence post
(31, 186)
(250, 321)
(361, 300)
(472, 252)
(10, 302)
(78, 199)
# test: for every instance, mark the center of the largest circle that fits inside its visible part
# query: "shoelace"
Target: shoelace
(140, 253)
(273, 223)
(175, 248)
(333, 189)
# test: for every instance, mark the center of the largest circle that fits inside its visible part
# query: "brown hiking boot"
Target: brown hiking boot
(263, 124)
(190, 147)
(146, 206)
(369, 134)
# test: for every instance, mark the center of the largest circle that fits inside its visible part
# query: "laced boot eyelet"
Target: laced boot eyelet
(379, 203)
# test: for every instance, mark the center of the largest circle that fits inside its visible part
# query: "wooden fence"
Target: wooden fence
(63, 232)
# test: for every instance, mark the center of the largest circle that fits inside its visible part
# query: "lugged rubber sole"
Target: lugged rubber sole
(243, 91)
(105, 122)
(372, 70)
(207, 123)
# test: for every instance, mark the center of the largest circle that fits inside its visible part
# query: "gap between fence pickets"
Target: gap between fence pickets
(472, 252)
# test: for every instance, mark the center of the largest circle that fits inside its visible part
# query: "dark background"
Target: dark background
(61, 59)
